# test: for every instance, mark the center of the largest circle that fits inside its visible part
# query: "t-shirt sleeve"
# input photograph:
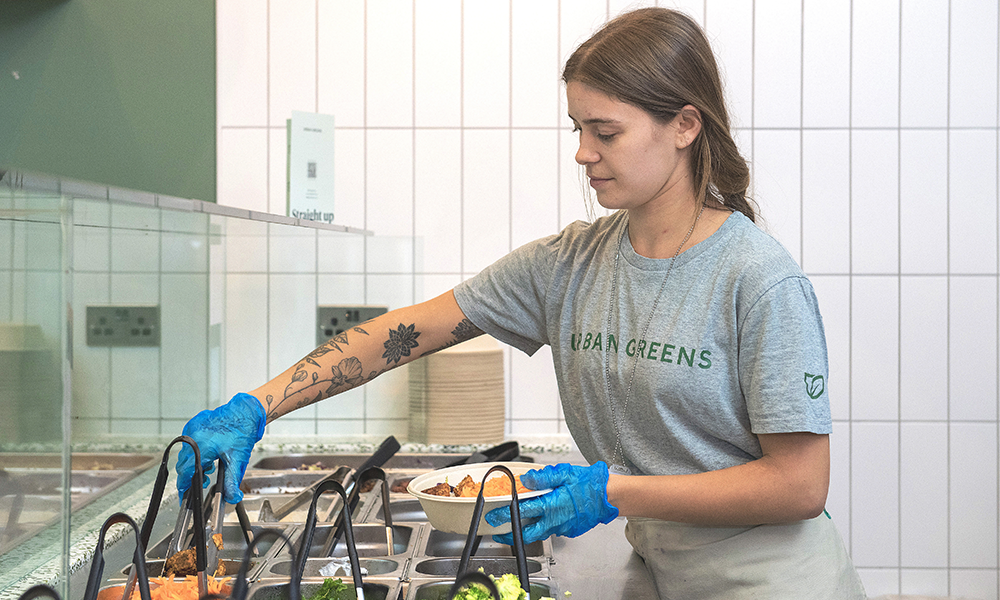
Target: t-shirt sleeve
(507, 299)
(783, 364)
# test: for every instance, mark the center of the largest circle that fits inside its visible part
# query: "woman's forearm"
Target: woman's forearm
(364, 352)
(789, 483)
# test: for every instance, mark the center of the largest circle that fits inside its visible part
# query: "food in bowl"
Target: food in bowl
(497, 485)
(453, 514)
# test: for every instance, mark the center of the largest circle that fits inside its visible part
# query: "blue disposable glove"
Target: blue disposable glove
(228, 432)
(577, 503)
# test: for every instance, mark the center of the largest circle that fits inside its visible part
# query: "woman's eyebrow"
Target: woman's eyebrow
(594, 121)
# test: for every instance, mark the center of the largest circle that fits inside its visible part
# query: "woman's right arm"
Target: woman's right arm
(364, 352)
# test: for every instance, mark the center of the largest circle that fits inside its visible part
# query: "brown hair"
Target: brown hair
(660, 60)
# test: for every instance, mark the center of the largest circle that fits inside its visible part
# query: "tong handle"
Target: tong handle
(241, 514)
(338, 527)
(473, 577)
(515, 524)
(310, 530)
(97, 563)
(157, 497)
(39, 591)
(217, 507)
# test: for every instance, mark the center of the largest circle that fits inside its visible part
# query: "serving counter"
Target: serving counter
(422, 561)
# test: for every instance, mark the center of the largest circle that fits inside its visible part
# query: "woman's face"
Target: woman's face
(631, 159)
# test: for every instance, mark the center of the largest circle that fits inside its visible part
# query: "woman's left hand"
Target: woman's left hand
(577, 503)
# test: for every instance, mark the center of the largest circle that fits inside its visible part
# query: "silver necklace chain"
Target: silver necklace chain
(618, 456)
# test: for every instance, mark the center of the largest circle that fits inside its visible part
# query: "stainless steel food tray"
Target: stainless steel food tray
(441, 544)
(377, 567)
(436, 589)
(447, 567)
(370, 540)
(279, 487)
(231, 554)
(375, 589)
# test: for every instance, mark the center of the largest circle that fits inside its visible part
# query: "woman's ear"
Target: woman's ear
(688, 125)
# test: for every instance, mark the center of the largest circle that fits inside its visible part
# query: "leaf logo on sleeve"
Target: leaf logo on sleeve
(815, 385)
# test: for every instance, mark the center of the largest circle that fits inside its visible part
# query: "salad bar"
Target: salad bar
(31, 487)
(404, 557)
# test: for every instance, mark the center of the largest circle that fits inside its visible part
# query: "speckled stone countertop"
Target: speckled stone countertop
(39, 560)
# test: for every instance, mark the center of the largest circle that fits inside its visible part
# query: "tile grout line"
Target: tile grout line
(111, 209)
(802, 95)
(559, 127)
(413, 153)
(948, 305)
(850, 276)
(509, 375)
(364, 192)
(315, 409)
(267, 195)
(559, 197)
(159, 302)
(899, 304)
(461, 141)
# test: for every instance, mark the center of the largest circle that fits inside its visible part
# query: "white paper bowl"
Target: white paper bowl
(454, 515)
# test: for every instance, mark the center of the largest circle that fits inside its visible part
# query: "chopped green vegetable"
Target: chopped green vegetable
(334, 589)
(507, 584)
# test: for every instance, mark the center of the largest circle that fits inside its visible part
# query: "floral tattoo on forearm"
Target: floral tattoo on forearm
(462, 332)
(312, 382)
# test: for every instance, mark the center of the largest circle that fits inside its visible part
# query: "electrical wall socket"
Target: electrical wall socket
(121, 325)
(334, 320)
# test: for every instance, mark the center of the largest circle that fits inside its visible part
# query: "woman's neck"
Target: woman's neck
(657, 232)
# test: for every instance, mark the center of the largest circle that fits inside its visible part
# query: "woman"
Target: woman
(688, 345)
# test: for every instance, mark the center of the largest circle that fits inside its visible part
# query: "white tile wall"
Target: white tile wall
(872, 131)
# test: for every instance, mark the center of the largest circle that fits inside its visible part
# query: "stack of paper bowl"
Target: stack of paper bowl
(457, 394)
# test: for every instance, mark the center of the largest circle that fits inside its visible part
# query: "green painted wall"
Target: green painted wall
(119, 92)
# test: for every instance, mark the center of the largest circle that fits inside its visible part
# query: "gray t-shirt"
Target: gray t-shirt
(735, 347)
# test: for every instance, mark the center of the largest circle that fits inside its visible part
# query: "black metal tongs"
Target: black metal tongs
(215, 517)
(310, 530)
(192, 500)
(472, 541)
(365, 476)
(39, 591)
(138, 559)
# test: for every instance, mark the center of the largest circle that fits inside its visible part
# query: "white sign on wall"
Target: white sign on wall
(310, 166)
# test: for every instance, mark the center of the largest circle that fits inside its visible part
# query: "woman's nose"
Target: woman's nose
(584, 155)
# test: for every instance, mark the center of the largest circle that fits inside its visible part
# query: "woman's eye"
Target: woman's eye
(605, 137)
(576, 128)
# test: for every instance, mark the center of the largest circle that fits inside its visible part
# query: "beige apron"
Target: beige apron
(804, 560)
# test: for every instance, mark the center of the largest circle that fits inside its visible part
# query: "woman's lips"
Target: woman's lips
(597, 183)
